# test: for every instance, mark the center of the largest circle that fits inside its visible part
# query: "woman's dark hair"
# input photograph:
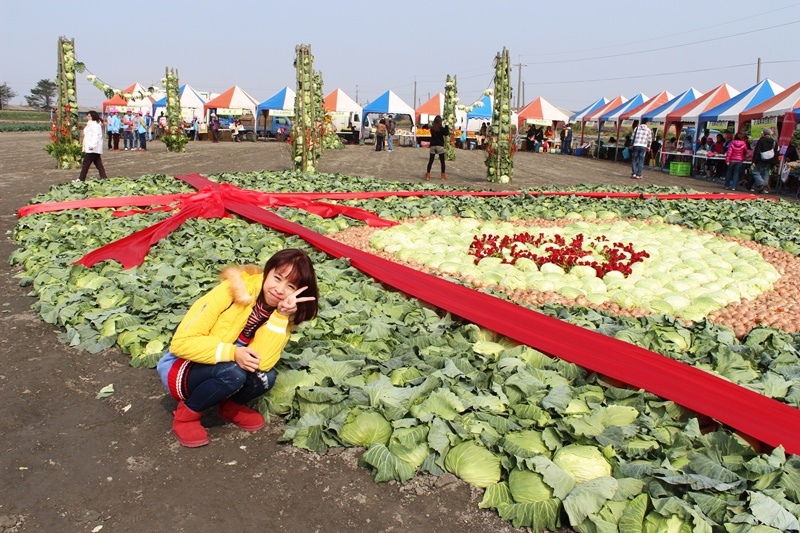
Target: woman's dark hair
(437, 123)
(301, 275)
(94, 115)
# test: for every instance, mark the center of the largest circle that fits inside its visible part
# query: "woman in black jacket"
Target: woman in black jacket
(438, 133)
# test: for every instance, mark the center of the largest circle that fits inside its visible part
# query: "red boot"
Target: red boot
(187, 428)
(241, 415)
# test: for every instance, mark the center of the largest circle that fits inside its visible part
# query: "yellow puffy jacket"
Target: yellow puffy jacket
(207, 332)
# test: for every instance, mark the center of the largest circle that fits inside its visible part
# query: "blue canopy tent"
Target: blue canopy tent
(481, 111)
(579, 116)
(191, 103)
(615, 114)
(729, 110)
(282, 100)
(387, 103)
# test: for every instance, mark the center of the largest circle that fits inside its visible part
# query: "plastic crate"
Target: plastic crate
(680, 169)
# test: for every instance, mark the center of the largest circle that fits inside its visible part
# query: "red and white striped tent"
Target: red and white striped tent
(690, 113)
(542, 113)
(338, 101)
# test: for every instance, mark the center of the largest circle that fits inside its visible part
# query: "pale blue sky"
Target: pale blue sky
(573, 52)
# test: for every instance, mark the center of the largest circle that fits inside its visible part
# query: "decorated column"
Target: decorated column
(65, 143)
(450, 100)
(306, 140)
(501, 146)
(174, 136)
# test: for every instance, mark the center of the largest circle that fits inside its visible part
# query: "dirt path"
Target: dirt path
(70, 462)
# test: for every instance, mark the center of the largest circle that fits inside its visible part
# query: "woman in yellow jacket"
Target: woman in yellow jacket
(224, 350)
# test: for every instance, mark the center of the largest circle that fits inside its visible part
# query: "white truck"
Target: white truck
(343, 123)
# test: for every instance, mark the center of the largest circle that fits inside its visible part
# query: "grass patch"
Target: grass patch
(25, 115)
(10, 127)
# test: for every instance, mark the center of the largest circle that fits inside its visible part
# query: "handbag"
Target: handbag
(769, 154)
(626, 153)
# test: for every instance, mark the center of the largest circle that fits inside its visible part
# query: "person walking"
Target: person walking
(642, 139)
(391, 128)
(92, 146)
(438, 133)
(764, 158)
(734, 158)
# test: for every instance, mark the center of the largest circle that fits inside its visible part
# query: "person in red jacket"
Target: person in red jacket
(734, 158)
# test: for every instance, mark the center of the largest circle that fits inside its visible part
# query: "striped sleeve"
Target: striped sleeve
(270, 340)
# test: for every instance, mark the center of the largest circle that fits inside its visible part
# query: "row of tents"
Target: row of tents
(690, 108)
(236, 100)
(720, 106)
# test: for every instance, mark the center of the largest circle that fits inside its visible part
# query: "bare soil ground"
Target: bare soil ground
(71, 462)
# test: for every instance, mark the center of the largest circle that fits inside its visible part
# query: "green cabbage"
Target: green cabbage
(583, 463)
(365, 428)
(528, 487)
(474, 464)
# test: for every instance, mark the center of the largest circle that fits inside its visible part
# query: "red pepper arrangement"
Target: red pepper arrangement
(579, 251)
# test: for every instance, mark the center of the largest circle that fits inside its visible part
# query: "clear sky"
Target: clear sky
(572, 53)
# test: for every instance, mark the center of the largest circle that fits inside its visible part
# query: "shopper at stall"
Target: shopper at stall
(214, 126)
(566, 142)
(380, 135)
(764, 158)
(391, 129)
(734, 157)
(642, 139)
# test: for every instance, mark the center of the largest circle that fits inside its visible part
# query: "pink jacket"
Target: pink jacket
(736, 151)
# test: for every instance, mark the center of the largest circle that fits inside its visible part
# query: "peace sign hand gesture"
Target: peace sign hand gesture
(288, 306)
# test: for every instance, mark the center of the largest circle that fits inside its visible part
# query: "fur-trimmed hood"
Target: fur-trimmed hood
(242, 282)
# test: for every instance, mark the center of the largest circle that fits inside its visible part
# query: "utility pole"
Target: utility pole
(357, 94)
(415, 92)
(519, 81)
(758, 71)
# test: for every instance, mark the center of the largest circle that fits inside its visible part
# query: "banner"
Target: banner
(757, 125)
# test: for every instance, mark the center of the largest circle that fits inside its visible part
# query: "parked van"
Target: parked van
(274, 127)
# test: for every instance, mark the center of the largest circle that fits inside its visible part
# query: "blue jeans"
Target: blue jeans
(566, 147)
(208, 385)
(127, 140)
(637, 160)
(734, 171)
(390, 141)
(760, 175)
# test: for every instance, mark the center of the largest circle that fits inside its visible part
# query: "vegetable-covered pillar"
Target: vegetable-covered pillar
(450, 100)
(305, 130)
(174, 137)
(501, 146)
(65, 143)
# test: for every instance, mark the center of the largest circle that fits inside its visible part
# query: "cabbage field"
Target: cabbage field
(709, 283)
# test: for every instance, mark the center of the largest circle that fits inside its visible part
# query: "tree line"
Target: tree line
(42, 96)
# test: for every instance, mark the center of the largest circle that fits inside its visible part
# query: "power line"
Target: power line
(676, 34)
(637, 52)
(750, 65)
